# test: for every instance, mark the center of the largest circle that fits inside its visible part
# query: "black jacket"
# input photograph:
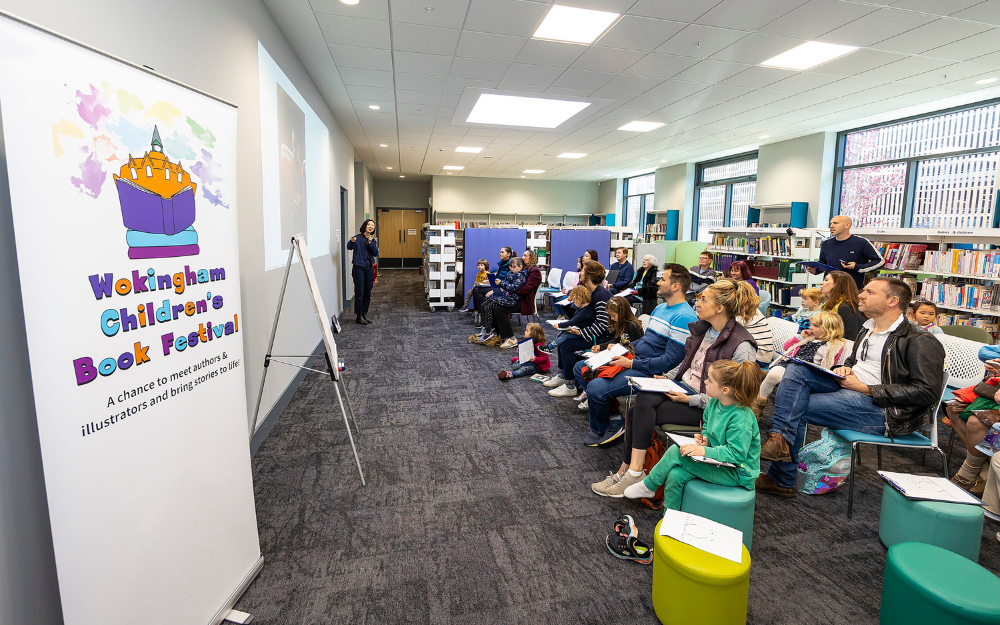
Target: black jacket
(912, 377)
(645, 281)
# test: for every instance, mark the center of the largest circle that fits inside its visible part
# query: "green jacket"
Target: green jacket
(733, 437)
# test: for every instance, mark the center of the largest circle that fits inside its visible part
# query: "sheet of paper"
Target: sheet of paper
(603, 357)
(564, 301)
(930, 488)
(628, 292)
(658, 385)
(525, 351)
(687, 440)
(553, 322)
(704, 534)
(681, 440)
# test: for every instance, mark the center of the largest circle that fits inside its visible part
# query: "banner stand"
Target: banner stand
(225, 614)
(298, 243)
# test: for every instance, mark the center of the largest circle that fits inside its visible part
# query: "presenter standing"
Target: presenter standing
(363, 270)
(854, 255)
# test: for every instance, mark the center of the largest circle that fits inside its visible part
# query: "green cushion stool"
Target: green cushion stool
(928, 585)
(694, 586)
(952, 526)
(729, 505)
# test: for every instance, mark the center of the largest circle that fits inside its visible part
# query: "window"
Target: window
(725, 190)
(936, 171)
(638, 200)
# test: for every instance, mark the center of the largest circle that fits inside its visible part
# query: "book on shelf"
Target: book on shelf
(964, 294)
(730, 242)
(906, 256)
(777, 246)
(783, 269)
(985, 263)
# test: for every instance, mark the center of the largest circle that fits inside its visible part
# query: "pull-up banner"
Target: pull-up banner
(123, 191)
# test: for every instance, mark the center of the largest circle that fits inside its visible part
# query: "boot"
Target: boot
(361, 321)
(365, 317)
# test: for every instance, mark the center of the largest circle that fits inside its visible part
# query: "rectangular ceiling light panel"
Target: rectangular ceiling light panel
(571, 155)
(469, 150)
(533, 171)
(454, 167)
(641, 126)
(509, 110)
(574, 25)
(810, 54)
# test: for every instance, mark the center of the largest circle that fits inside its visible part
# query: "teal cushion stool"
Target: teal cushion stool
(729, 505)
(952, 526)
(928, 585)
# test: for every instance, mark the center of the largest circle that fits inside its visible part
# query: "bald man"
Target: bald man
(850, 253)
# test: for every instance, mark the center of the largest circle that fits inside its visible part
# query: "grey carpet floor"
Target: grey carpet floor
(478, 506)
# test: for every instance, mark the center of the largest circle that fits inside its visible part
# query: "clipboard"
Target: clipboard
(808, 364)
(492, 277)
(814, 264)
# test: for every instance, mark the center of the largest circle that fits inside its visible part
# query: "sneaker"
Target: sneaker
(601, 488)
(583, 405)
(775, 448)
(766, 485)
(617, 490)
(591, 439)
(509, 343)
(630, 548)
(563, 391)
(545, 349)
(638, 490)
(504, 375)
(614, 431)
(554, 381)
(463, 310)
(582, 396)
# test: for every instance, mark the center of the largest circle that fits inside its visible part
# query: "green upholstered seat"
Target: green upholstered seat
(729, 505)
(927, 585)
(951, 526)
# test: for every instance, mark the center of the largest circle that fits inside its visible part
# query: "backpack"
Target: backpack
(824, 464)
(654, 452)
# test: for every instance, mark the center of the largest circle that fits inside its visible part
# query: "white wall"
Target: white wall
(675, 191)
(456, 194)
(211, 46)
(609, 197)
(799, 170)
(402, 194)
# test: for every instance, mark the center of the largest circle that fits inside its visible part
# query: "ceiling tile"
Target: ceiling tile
(418, 63)
(719, 93)
(757, 77)
(988, 12)
(945, 75)
(815, 18)
(933, 35)
(417, 110)
(876, 27)
(354, 31)
(631, 84)
(505, 17)
(935, 7)
(966, 49)
(712, 71)
(478, 69)
(676, 89)
(375, 94)
(532, 74)
(418, 82)
(640, 33)
(803, 81)
(858, 61)
(459, 85)
(607, 59)
(371, 9)
(447, 13)
(366, 77)
(417, 97)
(992, 60)
(361, 58)
(428, 39)
(551, 53)
(747, 14)
(680, 10)
(660, 65)
(909, 66)
(755, 48)
(489, 46)
(701, 41)
(580, 79)
(568, 91)
(521, 86)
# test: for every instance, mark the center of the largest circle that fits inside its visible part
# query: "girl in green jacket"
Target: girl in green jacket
(729, 434)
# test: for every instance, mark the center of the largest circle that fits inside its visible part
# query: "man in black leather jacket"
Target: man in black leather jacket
(891, 381)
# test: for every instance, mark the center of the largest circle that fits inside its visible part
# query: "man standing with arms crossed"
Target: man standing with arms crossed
(854, 255)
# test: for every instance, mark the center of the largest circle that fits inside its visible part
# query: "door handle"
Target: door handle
(400, 236)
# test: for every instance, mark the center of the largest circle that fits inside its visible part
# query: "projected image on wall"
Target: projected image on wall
(295, 167)
(291, 169)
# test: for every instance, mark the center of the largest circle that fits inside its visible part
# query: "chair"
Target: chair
(964, 369)
(971, 333)
(912, 441)
(554, 282)
(765, 301)
(528, 307)
(644, 320)
(782, 330)
(953, 526)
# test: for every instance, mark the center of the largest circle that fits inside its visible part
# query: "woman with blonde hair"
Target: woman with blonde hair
(822, 343)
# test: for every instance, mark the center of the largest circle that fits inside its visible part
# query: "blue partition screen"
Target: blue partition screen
(486, 243)
(568, 245)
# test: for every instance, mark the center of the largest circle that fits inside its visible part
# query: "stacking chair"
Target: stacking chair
(971, 333)
(782, 330)
(964, 369)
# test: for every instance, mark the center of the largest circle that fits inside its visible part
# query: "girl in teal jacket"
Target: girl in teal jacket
(729, 434)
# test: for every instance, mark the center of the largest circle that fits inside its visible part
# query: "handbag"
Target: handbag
(987, 389)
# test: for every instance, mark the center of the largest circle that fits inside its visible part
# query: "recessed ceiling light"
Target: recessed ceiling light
(571, 155)
(383, 145)
(985, 81)
(574, 25)
(469, 150)
(388, 167)
(663, 161)
(401, 176)
(511, 110)
(524, 176)
(809, 54)
(763, 136)
(374, 107)
(641, 126)
(351, 2)
(449, 173)
(454, 167)
(533, 171)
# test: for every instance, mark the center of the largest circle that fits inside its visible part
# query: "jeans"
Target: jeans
(563, 310)
(568, 357)
(520, 370)
(364, 277)
(559, 340)
(807, 396)
(600, 392)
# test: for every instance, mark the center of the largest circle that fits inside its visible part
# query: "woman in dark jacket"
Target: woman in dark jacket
(363, 269)
(499, 302)
(502, 313)
(645, 284)
(479, 292)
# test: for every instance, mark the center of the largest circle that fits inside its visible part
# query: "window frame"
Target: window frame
(728, 182)
(642, 202)
(912, 163)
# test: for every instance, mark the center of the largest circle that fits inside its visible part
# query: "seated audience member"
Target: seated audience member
(644, 284)
(625, 271)
(591, 255)
(762, 335)
(702, 270)
(923, 314)
(563, 310)
(971, 422)
(729, 434)
(482, 279)
(539, 363)
(588, 335)
(625, 329)
(740, 270)
(582, 315)
(659, 350)
(892, 378)
(991, 493)
(842, 298)
(501, 301)
(533, 278)
(479, 292)
(716, 335)
(822, 343)
(812, 299)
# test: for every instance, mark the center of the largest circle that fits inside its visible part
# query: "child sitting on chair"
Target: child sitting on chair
(729, 434)
(923, 314)
(812, 299)
(482, 278)
(539, 363)
(583, 315)
(822, 343)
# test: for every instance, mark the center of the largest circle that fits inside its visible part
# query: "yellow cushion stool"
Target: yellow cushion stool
(694, 586)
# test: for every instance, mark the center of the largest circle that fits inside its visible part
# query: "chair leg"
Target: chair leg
(850, 481)
(858, 447)
(944, 463)
(878, 452)
(951, 445)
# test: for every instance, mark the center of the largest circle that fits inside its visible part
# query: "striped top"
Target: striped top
(761, 333)
(599, 328)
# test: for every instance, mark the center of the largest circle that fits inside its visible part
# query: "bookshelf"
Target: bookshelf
(472, 219)
(440, 249)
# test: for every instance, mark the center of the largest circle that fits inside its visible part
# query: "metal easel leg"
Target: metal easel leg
(340, 400)
(347, 395)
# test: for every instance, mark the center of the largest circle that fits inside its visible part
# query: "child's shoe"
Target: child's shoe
(504, 375)
(638, 490)
(546, 349)
(509, 343)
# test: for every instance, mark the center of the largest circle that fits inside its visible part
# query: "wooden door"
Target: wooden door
(412, 223)
(390, 231)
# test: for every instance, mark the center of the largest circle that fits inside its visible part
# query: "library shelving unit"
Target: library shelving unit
(472, 219)
(440, 266)
(538, 240)
(623, 236)
(772, 254)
